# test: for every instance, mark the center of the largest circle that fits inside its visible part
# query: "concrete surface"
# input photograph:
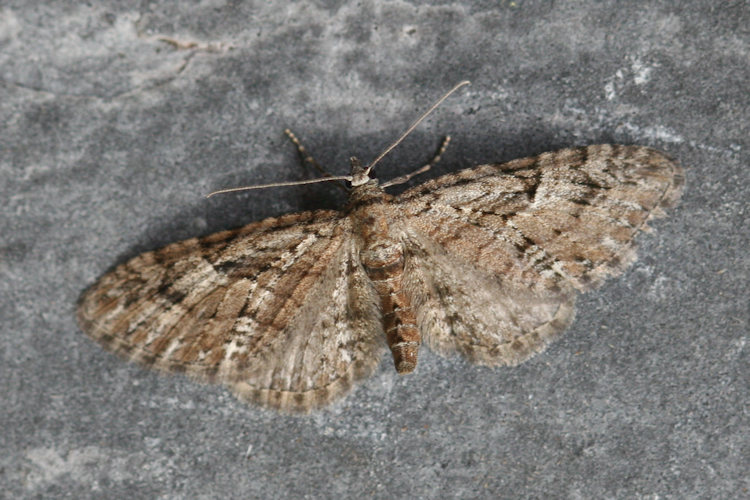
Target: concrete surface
(116, 119)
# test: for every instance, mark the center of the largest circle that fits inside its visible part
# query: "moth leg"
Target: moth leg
(306, 157)
(405, 178)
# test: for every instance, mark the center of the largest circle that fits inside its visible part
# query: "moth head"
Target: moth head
(360, 175)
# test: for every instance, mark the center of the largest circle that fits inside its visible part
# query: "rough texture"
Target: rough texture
(484, 262)
(111, 135)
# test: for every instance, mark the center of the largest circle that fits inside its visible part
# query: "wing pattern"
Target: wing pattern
(495, 252)
(566, 218)
(279, 310)
(485, 262)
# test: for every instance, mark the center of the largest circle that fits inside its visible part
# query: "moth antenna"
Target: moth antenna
(405, 178)
(306, 157)
(347, 178)
(414, 125)
(281, 184)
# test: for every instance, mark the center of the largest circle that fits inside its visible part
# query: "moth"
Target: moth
(290, 312)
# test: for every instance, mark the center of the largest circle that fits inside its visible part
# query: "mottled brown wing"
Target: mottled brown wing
(495, 252)
(554, 220)
(462, 308)
(277, 310)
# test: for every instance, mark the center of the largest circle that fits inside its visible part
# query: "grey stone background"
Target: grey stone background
(116, 120)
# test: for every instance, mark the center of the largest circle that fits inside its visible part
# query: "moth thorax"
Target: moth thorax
(385, 256)
(382, 254)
